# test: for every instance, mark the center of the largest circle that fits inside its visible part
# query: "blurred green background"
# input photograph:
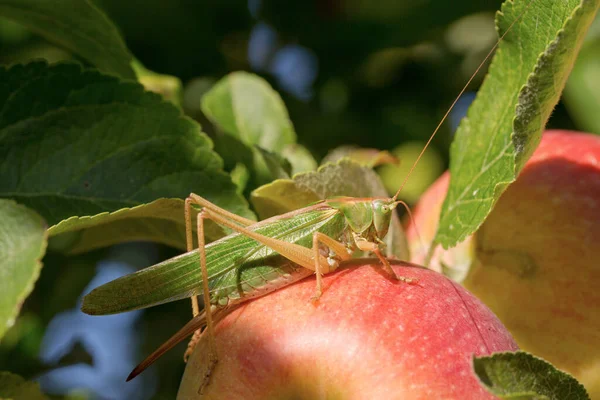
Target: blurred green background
(373, 74)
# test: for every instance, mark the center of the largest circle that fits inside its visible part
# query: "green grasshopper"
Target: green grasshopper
(258, 258)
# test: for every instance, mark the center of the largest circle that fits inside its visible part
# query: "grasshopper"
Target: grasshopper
(258, 258)
(255, 260)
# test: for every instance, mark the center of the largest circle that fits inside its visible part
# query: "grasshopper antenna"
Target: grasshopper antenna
(412, 221)
(458, 97)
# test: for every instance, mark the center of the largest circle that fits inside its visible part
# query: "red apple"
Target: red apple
(368, 337)
(536, 260)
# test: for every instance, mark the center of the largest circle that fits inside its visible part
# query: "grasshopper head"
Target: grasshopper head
(382, 215)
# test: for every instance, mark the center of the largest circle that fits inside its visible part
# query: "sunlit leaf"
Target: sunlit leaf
(159, 221)
(22, 246)
(166, 85)
(300, 158)
(245, 106)
(367, 157)
(503, 126)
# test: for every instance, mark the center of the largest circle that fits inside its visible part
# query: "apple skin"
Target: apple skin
(367, 337)
(536, 260)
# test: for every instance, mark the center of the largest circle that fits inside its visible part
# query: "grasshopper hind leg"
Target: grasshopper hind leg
(212, 347)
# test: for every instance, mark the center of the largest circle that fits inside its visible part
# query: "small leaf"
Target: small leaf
(520, 375)
(368, 157)
(160, 221)
(281, 196)
(240, 176)
(246, 106)
(344, 178)
(93, 145)
(262, 166)
(168, 86)
(22, 246)
(253, 126)
(300, 158)
(503, 126)
(78, 26)
(14, 387)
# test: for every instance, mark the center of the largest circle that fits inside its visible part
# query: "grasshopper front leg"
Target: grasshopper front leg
(365, 245)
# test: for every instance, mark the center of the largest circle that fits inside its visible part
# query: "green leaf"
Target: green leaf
(343, 178)
(14, 387)
(368, 157)
(22, 245)
(245, 106)
(168, 86)
(253, 126)
(520, 375)
(503, 126)
(78, 26)
(160, 221)
(94, 145)
(262, 166)
(240, 176)
(300, 158)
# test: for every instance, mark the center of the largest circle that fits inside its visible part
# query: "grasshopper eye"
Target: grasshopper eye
(381, 206)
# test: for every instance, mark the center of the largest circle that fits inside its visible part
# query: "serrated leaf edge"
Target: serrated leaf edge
(501, 186)
(217, 169)
(534, 358)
